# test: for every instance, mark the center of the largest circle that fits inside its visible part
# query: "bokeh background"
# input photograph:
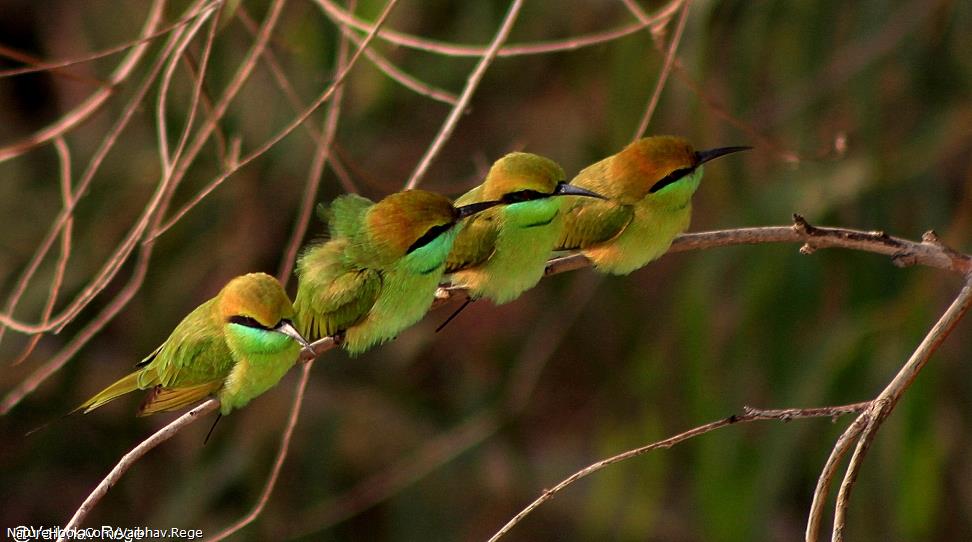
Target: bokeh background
(860, 113)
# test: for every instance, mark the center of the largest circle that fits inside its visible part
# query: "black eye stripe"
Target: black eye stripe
(246, 321)
(522, 195)
(428, 236)
(670, 178)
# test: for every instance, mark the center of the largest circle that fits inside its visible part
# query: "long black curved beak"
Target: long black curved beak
(711, 154)
(473, 208)
(564, 189)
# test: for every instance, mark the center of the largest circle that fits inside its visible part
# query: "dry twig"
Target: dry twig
(930, 252)
(749, 415)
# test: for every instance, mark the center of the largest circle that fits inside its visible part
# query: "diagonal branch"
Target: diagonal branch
(666, 70)
(884, 403)
(750, 415)
(290, 127)
(471, 84)
(94, 102)
(929, 252)
(134, 455)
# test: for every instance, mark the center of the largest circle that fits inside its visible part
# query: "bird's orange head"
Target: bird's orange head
(401, 219)
(652, 163)
(522, 171)
(256, 298)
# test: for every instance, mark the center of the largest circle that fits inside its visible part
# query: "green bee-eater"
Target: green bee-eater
(649, 186)
(235, 346)
(378, 272)
(501, 252)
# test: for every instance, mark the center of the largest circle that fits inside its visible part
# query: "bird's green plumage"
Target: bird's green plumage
(641, 217)
(370, 280)
(501, 252)
(208, 354)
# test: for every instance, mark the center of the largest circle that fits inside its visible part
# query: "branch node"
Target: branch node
(807, 248)
(904, 259)
(801, 225)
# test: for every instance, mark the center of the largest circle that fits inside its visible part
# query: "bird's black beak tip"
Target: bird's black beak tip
(711, 154)
(564, 189)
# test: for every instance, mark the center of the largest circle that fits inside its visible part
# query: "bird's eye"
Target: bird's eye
(246, 321)
(670, 178)
(429, 236)
(522, 195)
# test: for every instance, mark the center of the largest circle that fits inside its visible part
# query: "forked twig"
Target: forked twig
(884, 403)
(750, 415)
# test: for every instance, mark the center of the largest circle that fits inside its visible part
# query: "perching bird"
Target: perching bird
(378, 272)
(235, 346)
(503, 251)
(649, 186)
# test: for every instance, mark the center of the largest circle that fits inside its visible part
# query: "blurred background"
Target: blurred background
(860, 113)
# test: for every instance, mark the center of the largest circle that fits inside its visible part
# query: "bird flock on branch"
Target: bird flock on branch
(378, 270)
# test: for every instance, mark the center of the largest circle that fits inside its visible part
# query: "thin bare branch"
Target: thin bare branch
(160, 112)
(472, 83)
(750, 415)
(278, 462)
(884, 403)
(398, 75)
(133, 456)
(280, 78)
(824, 482)
(35, 63)
(67, 233)
(121, 253)
(94, 102)
(279, 136)
(666, 69)
(91, 329)
(316, 172)
(929, 252)
(341, 16)
(57, 65)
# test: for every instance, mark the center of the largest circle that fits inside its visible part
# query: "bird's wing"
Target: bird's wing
(195, 353)
(591, 221)
(332, 294)
(164, 399)
(476, 240)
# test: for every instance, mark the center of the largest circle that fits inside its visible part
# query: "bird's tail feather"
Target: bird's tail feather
(124, 385)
